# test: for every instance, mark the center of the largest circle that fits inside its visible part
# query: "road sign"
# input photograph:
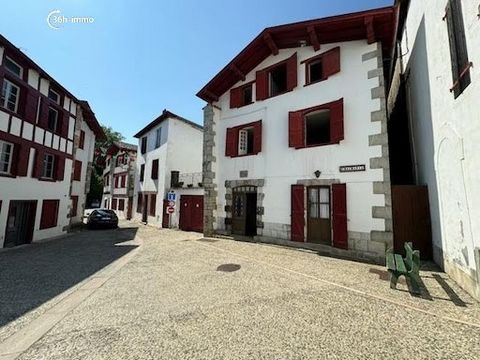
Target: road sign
(171, 196)
(170, 210)
(171, 204)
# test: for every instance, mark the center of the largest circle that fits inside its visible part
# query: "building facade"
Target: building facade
(118, 179)
(170, 160)
(38, 150)
(435, 89)
(295, 143)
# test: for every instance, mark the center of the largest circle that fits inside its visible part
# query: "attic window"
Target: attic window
(247, 94)
(278, 80)
(315, 71)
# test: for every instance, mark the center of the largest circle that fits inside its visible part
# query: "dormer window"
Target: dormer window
(53, 95)
(315, 71)
(13, 67)
(277, 79)
(241, 96)
(321, 67)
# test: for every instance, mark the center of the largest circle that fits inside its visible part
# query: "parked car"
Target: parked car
(102, 218)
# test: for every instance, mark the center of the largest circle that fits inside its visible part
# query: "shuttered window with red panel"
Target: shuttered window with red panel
(60, 167)
(242, 95)
(321, 67)
(77, 170)
(153, 204)
(49, 215)
(31, 105)
(316, 126)
(15, 156)
(73, 211)
(244, 140)
(81, 142)
(114, 204)
(339, 216)
(123, 181)
(155, 169)
(298, 213)
(277, 79)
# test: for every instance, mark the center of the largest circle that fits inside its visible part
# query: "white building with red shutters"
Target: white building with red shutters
(170, 161)
(295, 140)
(119, 179)
(46, 150)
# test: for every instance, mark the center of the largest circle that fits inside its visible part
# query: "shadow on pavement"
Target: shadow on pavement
(32, 275)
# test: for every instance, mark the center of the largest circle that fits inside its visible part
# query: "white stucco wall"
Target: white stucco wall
(281, 166)
(446, 131)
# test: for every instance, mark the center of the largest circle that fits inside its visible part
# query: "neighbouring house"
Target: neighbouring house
(43, 170)
(170, 161)
(295, 144)
(434, 126)
(118, 179)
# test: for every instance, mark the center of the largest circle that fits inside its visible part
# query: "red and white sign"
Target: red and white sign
(171, 204)
(170, 210)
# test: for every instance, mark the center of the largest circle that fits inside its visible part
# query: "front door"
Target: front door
(20, 223)
(244, 211)
(319, 219)
(191, 213)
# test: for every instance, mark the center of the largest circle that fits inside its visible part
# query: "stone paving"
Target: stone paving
(179, 296)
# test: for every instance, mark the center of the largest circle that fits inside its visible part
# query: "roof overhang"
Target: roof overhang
(372, 25)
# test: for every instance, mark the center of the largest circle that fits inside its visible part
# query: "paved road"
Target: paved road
(162, 294)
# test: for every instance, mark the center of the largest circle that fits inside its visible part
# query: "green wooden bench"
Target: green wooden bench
(408, 266)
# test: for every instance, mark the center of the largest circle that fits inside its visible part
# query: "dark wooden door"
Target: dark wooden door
(319, 228)
(191, 213)
(239, 213)
(20, 223)
(411, 219)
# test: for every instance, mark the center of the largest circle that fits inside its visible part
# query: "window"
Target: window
(241, 96)
(53, 95)
(153, 204)
(320, 125)
(48, 166)
(144, 145)
(10, 96)
(13, 67)
(77, 170)
(319, 202)
(81, 142)
(6, 154)
(123, 181)
(142, 172)
(121, 204)
(119, 160)
(49, 215)
(73, 211)
(52, 119)
(458, 47)
(155, 169)
(244, 140)
(158, 138)
(321, 67)
(277, 79)
(114, 204)
(317, 127)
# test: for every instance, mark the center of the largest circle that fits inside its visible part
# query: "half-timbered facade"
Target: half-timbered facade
(39, 135)
(295, 145)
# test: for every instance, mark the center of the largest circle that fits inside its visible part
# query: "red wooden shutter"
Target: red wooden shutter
(60, 168)
(43, 120)
(235, 97)
(155, 169)
(22, 159)
(38, 163)
(49, 214)
(31, 106)
(336, 122)
(257, 137)
(296, 129)
(298, 213)
(339, 220)
(114, 204)
(62, 121)
(292, 70)
(15, 156)
(231, 144)
(331, 62)
(262, 85)
(73, 211)
(124, 178)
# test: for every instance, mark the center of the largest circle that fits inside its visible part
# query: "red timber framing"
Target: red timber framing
(371, 25)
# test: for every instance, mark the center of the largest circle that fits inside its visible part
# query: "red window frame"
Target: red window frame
(330, 65)
(232, 138)
(263, 90)
(237, 95)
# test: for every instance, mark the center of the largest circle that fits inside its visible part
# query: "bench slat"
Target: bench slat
(391, 262)
(400, 265)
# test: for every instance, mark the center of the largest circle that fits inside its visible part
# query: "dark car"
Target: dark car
(102, 218)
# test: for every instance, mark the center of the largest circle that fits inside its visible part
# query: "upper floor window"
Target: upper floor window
(52, 119)
(321, 67)
(241, 96)
(144, 145)
(13, 67)
(6, 154)
(10, 96)
(53, 95)
(458, 47)
(48, 166)
(244, 140)
(277, 79)
(158, 137)
(317, 127)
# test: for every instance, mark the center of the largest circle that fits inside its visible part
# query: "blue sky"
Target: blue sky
(139, 57)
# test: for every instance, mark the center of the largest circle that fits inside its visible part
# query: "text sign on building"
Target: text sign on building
(352, 168)
(171, 196)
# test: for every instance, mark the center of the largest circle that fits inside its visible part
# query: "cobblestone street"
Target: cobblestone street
(144, 293)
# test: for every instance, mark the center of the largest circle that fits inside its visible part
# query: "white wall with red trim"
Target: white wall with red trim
(280, 165)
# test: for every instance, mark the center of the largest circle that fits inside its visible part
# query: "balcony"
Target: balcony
(185, 180)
